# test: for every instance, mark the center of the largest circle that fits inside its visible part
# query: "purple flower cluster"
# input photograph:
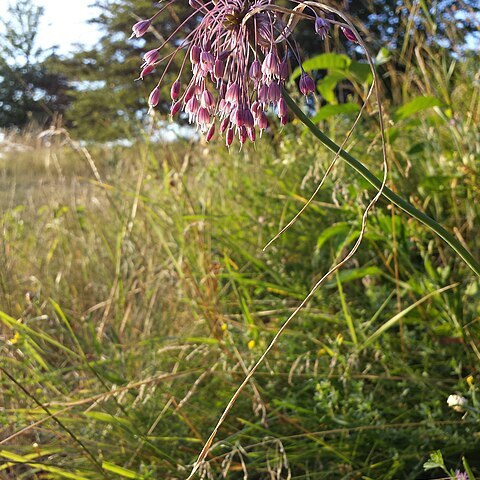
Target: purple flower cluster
(459, 475)
(238, 54)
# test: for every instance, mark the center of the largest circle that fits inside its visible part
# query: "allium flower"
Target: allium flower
(140, 28)
(322, 27)
(459, 475)
(238, 54)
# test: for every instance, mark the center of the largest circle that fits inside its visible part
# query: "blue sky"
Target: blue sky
(64, 23)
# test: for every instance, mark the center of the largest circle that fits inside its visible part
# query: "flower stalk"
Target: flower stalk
(401, 203)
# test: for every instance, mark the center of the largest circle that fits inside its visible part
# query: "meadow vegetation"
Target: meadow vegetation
(134, 296)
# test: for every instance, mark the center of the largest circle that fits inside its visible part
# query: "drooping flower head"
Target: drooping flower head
(238, 55)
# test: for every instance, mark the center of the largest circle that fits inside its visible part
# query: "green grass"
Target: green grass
(149, 297)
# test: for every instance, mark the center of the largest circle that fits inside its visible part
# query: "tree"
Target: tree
(110, 104)
(29, 88)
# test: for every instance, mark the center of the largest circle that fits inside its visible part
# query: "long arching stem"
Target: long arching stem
(407, 207)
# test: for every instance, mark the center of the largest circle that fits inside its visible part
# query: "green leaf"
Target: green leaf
(335, 230)
(331, 110)
(396, 318)
(324, 61)
(108, 418)
(435, 461)
(416, 105)
(111, 467)
(29, 460)
(326, 86)
(204, 340)
(383, 56)
(358, 273)
(468, 469)
(361, 72)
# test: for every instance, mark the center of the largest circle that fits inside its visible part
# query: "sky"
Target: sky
(64, 23)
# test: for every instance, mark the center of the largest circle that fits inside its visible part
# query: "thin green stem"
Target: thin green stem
(407, 207)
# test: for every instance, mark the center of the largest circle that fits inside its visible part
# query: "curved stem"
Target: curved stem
(407, 207)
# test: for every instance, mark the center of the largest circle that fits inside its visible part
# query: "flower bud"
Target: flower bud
(349, 34)
(262, 120)
(146, 71)
(263, 94)
(306, 84)
(151, 56)
(195, 52)
(239, 117)
(210, 133)
(229, 137)
(270, 64)
(203, 116)
(242, 134)
(274, 92)
(233, 93)
(224, 125)
(192, 106)
(322, 27)
(140, 28)
(255, 71)
(249, 122)
(175, 108)
(207, 99)
(219, 69)
(190, 92)
(175, 90)
(207, 61)
(282, 107)
(154, 97)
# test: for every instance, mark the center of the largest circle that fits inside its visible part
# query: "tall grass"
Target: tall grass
(133, 301)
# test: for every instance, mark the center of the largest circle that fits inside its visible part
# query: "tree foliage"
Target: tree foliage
(110, 103)
(30, 90)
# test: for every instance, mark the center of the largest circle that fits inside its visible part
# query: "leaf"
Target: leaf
(324, 61)
(390, 323)
(111, 467)
(25, 458)
(383, 56)
(468, 469)
(361, 72)
(29, 460)
(108, 418)
(435, 461)
(416, 105)
(358, 273)
(335, 230)
(203, 340)
(331, 110)
(326, 86)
